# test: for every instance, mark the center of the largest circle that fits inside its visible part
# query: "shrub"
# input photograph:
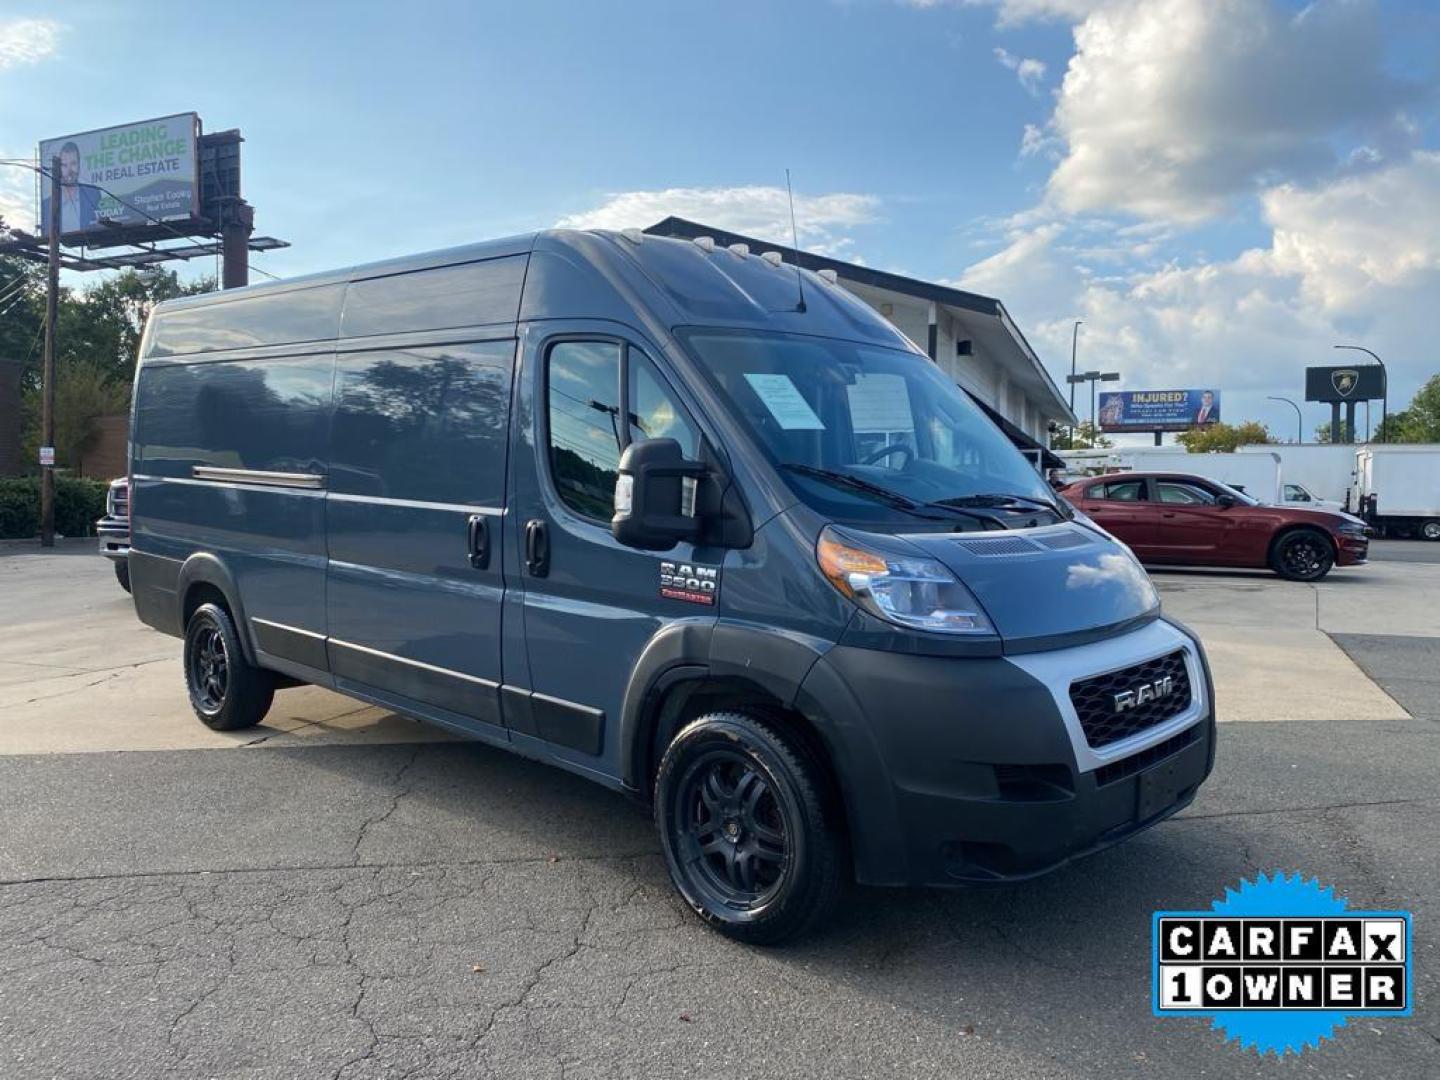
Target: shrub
(79, 503)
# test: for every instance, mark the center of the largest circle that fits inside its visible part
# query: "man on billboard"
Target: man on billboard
(78, 202)
(1208, 412)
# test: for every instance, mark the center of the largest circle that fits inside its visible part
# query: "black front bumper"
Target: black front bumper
(960, 771)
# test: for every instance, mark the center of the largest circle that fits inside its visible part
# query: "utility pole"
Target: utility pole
(47, 376)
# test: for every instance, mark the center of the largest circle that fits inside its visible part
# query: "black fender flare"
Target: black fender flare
(205, 568)
(773, 661)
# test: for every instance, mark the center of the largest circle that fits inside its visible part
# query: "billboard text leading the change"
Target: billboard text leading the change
(133, 174)
(1158, 410)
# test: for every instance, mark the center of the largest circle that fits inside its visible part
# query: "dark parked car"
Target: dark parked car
(1189, 520)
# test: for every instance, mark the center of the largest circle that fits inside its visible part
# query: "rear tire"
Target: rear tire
(226, 691)
(750, 839)
(1430, 530)
(1302, 555)
(122, 574)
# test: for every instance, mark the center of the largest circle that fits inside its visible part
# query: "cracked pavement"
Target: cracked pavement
(315, 907)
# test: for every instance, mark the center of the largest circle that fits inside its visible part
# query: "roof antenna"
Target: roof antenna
(795, 240)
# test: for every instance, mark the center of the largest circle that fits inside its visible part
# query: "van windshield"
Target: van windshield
(870, 434)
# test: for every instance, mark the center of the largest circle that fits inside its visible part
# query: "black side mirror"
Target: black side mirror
(1226, 501)
(656, 496)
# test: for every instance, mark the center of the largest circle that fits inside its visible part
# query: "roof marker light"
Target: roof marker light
(740, 249)
(705, 243)
(828, 276)
(774, 258)
(633, 235)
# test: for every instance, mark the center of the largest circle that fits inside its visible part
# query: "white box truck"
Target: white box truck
(1397, 488)
(1324, 471)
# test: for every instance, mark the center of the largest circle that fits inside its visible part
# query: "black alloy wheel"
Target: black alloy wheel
(209, 669)
(1303, 555)
(731, 829)
(227, 692)
(752, 834)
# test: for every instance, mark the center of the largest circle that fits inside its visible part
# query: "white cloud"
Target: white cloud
(755, 210)
(1029, 71)
(1363, 234)
(1016, 12)
(17, 195)
(27, 41)
(1169, 108)
(1359, 255)
(1038, 140)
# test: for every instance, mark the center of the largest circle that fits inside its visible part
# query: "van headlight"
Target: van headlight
(915, 592)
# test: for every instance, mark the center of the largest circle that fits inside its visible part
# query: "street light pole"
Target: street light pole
(1074, 341)
(1384, 386)
(1299, 416)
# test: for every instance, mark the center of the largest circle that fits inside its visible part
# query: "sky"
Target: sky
(1220, 190)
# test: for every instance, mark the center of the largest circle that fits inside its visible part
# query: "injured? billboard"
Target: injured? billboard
(1158, 410)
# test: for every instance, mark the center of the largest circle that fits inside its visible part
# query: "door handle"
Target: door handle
(537, 548)
(478, 540)
(1170, 514)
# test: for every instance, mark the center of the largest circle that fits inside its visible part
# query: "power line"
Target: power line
(131, 206)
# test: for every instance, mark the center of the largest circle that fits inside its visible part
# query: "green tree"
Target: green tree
(1224, 438)
(1420, 422)
(22, 306)
(1086, 436)
(97, 340)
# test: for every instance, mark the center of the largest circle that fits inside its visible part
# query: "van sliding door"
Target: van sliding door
(416, 494)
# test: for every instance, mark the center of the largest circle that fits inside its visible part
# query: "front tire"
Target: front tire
(750, 839)
(122, 574)
(226, 691)
(1302, 555)
(1430, 530)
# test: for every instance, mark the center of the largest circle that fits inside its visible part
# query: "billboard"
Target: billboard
(1158, 410)
(1359, 383)
(133, 174)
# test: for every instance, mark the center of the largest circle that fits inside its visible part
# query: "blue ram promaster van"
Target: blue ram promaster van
(682, 519)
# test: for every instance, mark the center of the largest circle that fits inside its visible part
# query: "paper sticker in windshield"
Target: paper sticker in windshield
(790, 410)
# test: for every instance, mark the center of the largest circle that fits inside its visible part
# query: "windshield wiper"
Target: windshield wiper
(883, 494)
(999, 499)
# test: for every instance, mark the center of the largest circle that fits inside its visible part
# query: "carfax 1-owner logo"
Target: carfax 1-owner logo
(1281, 963)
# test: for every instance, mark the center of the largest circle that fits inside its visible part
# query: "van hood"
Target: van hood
(1046, 582)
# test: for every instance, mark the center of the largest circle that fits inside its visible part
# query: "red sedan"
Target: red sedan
(1187, 520)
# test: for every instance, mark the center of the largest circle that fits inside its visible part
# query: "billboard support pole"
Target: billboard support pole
(1158, 436)
(1336, 434)
(47, 371)
(239, 223)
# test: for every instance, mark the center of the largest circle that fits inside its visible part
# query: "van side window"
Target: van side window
(654, 412)
(583, 388)
(187, 413)
(426, 423)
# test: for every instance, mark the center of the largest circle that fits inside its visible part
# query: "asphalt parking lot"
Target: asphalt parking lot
(344, 894)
